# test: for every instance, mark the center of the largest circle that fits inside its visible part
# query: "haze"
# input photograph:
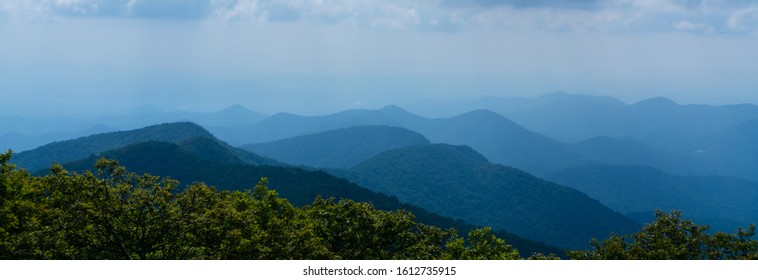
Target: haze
(317, 57)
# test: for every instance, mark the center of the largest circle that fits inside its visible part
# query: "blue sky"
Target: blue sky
(316, 57)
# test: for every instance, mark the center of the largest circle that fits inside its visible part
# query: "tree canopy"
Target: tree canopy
(670, 237)
(114, 214)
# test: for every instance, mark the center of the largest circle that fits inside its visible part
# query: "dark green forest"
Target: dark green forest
(300, 187)
(115, 214)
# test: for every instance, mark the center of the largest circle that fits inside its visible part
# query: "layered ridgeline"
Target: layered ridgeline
(21, 133)
(615, 151)
(65, 151)
(341, 148)
(457, 181)
(576, 117)
(25, 133)
(732, 151)
(687, 139)
(497, 138)
(723, 202)
(206, 159)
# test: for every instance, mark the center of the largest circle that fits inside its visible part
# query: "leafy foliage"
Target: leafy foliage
(672, 238)
(115, 214)
(298, 186)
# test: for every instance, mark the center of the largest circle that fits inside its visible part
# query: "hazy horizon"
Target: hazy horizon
(319, 57)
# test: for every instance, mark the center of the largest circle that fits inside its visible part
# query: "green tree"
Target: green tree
(115, 214)
(670, 237)
(22, 214)
(355, 230)
(483, 245)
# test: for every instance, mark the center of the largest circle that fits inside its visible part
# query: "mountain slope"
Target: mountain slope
(607, 150)
(501, 141)
(732, 151)
(659, 121)
(341, 148)
(723, 202)
(299, 186)
(65, 151)
(232, 116)
(457, 181)
(497, 138)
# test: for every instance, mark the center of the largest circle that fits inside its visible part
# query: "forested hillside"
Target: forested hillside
(457, 181)
(183, 132)
(723, 202)
(298, 186)
(114, 214)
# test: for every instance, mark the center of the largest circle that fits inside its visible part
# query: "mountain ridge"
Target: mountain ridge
(457, 181)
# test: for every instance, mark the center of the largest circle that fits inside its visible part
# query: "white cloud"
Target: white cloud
(743, 19)
(129, 7)
(234, 10)
(82, 7)
(703, 16)
(691, 26)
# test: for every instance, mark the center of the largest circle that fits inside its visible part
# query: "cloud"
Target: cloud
(384, 14)
(690, 26)
(527, 4)
(154, 9)
(233, 10)
(704, 16)
(743, 19)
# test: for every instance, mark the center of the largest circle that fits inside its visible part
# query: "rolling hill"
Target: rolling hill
(497, 138)
(457, 181)
(723, 202)
(732, 151)
(577, 117)
(613, 151)
(183, 162)
(341, 148)
(65, 151)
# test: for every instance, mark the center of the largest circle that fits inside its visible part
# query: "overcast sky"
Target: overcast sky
(315, 57)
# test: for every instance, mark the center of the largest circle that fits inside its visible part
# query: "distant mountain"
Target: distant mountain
(502, 141)
(497, 138)
(723, 202)
(190, 162)
(232, 116)
(732, 151)
(576, 117)
(659, 121)
(70, 150)
(502, 104)
(615, 151)
(23, 133)
(285, 125)
(457, 181)
(341, 148)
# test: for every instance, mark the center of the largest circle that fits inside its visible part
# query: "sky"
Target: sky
(321, 56)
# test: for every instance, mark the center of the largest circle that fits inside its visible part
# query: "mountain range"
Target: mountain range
(341, 148)
(193, 155)
(497, 138)
(561, 168)
(22, 133)
(70, 150)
